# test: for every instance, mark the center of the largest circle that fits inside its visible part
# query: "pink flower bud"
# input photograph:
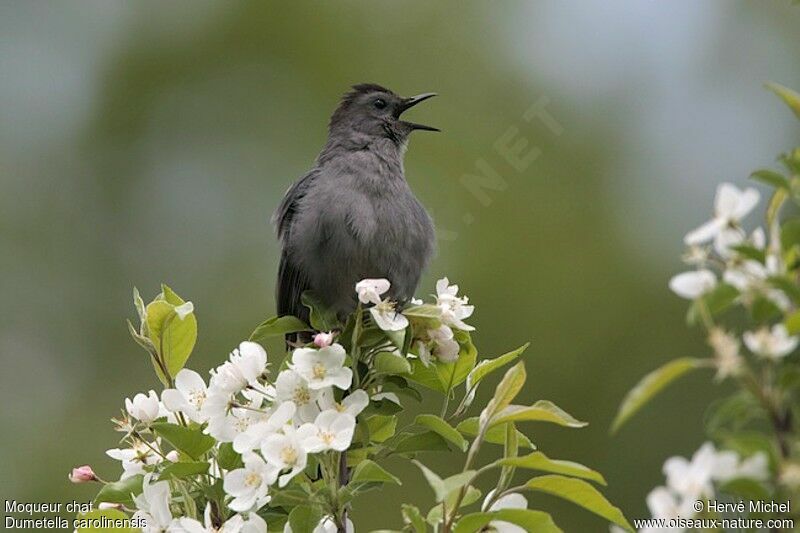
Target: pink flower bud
(82, 474)
(322, 340)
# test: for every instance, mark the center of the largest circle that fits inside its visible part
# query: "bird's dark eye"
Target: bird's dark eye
(379, 103)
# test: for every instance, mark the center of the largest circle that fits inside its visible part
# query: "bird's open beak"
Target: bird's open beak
(408, 103)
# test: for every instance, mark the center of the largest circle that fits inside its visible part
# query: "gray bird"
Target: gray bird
(353, 216)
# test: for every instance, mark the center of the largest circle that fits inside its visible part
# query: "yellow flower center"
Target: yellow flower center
(301, 396)
(289, 455)
(326, 437)
(319, 371)
(197, 398)
(252, 480)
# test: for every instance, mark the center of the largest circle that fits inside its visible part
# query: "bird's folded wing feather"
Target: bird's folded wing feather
(292, 281)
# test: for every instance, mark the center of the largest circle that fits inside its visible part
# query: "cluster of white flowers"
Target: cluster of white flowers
(688, 481)
(714, 244)
(274, 424)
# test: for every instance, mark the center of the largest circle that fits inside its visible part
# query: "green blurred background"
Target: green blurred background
(143, 142)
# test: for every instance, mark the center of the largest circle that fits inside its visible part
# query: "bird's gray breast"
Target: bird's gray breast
(354, 226)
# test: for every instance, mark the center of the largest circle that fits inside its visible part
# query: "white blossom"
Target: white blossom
(454, 308)
(728, 465)
(370, 290)
(751, 279)
(387, 317)
(509, 501)
(143, 408)
(235, 524)
(726, 353)
(254, 435)
(693, 284)
(246, 364)
(326, 525)
(439, 343)
(285, 452)
(692, 479)
(153, 505)
(135, 458)
(771, 344)
(188, 396)
(249, 486)
(331, 430)
(291, 386)
(731, 205)
(352, 404)
(226, 419)
(322, 368)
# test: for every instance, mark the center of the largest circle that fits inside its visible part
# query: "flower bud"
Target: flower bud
(109, 505)
(322, 340)
(82, 474)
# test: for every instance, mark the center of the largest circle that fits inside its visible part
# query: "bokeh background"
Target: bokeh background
(143, 142)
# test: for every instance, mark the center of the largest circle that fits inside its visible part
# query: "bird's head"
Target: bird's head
(370, 111)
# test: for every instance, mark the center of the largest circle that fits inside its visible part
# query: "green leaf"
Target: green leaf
(278, 326)
(189, 440)
(391, 364)
(539, 461)
(228, 458)
(427, 376)
(530, 521)
(790, 234)
(786, 285)
(443, 487)
(413, 517)
(142, 341)
(470, 496)
(541, 411)
(580, 493)
(792, 323)
(733, 412)
(444, 429)
(421, 442)
(173, 337)
(304, 518)
(121, 491)
(750, 252)
(381, 427)
(486, 367)
(112, 517)
(454, 374)
(495, 435)
(138, 303)
(183, 469)
(771, 178)
(370, 472)
(428, 314)
(321, 319)
(652, 384)
(745, 489)
(790, 97)
(719, 299)
(506, 391)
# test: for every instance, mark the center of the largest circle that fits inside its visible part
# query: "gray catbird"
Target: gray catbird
(353, 216)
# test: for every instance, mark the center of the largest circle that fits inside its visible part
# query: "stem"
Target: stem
(473, 452)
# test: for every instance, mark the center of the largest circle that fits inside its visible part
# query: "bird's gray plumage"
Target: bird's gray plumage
(353, 216)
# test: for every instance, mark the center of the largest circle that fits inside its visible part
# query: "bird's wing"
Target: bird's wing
(282, 218)
(292, 281)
